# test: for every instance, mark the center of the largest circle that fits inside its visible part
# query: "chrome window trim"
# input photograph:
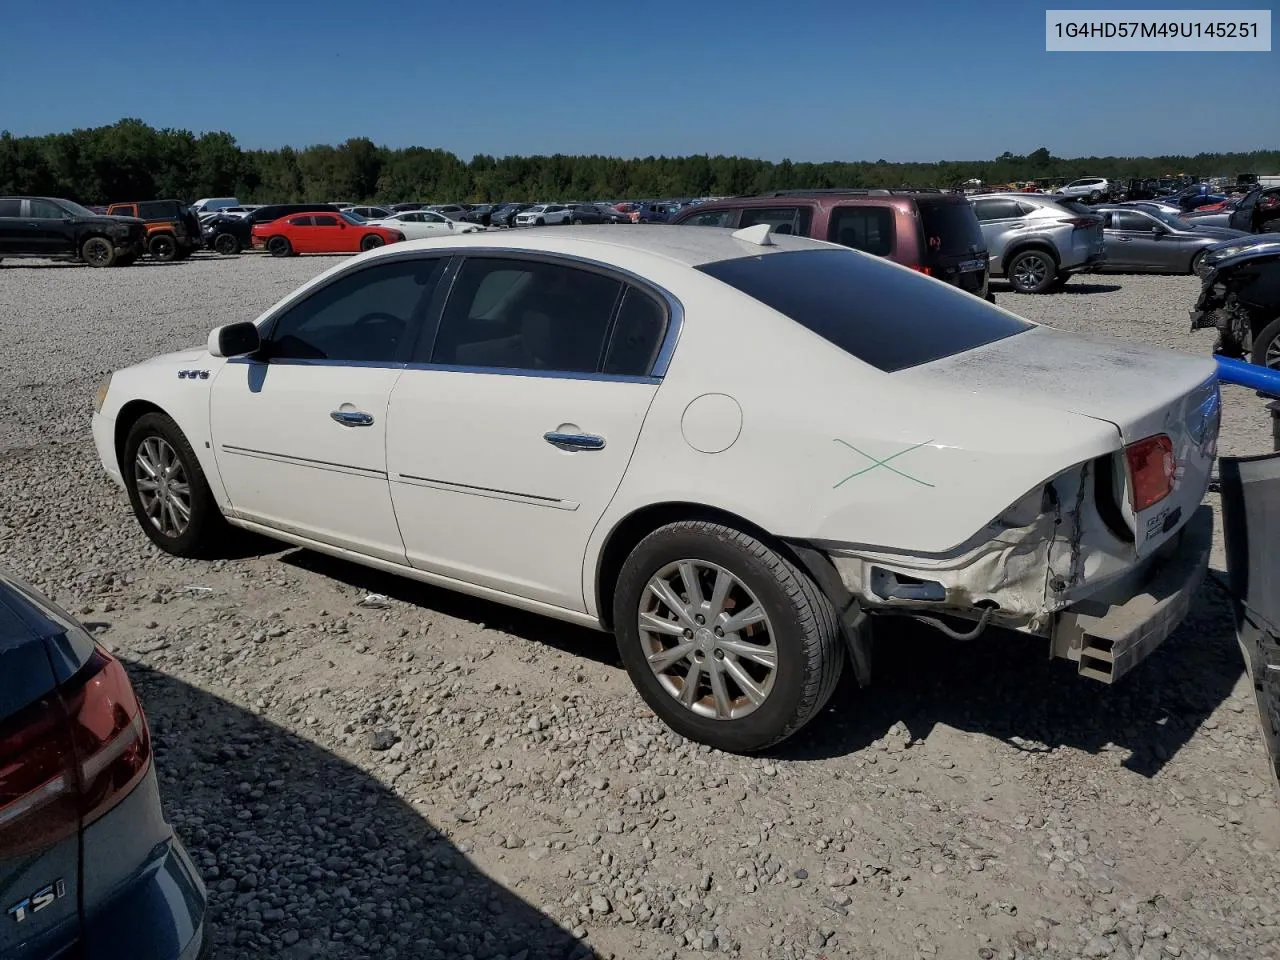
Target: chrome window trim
(657, 372)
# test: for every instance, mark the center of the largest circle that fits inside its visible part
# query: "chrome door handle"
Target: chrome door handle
(574, 441)
(352, 418)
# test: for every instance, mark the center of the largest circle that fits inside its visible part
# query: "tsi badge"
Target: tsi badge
(37, 901)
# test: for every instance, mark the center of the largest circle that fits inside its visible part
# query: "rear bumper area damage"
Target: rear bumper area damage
(1052, 566)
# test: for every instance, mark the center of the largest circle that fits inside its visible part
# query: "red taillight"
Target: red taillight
(70, 757)
(927, 271)
(1152, 466)
(1082, 223)
(109, 732)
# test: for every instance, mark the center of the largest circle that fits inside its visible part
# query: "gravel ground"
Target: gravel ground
(434, 776)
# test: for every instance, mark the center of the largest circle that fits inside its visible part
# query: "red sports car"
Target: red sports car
(321, 233)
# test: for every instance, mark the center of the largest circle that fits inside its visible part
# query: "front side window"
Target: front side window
(712, 218)
(526, 315)
(784, 220)
(45, 210)
(869, 308)
(869, 229)
(326, 221)
(1135, 222)
(362, 316)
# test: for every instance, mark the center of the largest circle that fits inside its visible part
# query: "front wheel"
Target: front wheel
(540, 222)
(576, 222)
(726, 640)
(1197, 261)
(1032, 271)
(226, 244)
(279, 247)
(98, 252)
(163, 247)
(1266, 346)
(371, 242)
(168, 490)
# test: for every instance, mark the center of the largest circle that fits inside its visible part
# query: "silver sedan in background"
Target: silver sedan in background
(1151, 241)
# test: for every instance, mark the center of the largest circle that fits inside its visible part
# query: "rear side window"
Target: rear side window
(637, 335)
(869, 229)
(997, 209)
(880, 313)
(952, 229)
(10, 208)
(712, 218)
(784, 220)
(155, 211)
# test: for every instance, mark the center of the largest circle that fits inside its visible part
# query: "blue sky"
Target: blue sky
(804, 79)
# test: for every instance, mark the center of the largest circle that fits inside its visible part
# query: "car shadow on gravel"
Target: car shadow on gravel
(570, 639)
(1071, 286)
(308, 856)
(1003, 686)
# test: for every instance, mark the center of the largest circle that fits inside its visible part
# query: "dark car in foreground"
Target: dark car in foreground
(1240, 296)
(54, 229)
(934, 233)
(230, 235)
(89, 869)
(1149, 241)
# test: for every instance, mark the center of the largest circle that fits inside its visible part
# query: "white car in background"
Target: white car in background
(544, 214)
(1090, 189)
(729, 449)
(424, 224)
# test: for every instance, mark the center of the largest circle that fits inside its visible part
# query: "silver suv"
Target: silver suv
(1091, 189)
(1036, 241)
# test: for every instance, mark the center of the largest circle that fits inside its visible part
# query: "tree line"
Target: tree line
(131, 160)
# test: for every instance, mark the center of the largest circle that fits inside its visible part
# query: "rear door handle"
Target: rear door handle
(352, 418)
(574, 441)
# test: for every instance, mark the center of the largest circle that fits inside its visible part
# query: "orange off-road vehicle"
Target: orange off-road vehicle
(173, 231)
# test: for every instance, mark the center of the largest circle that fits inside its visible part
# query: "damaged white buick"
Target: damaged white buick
(734, 451)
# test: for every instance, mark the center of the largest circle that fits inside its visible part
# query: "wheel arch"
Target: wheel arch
(129, 414)
(1022, 246)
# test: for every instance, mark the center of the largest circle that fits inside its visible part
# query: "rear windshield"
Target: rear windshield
(880, 313)
(950, 228)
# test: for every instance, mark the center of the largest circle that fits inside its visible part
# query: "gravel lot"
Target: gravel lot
(436, 776)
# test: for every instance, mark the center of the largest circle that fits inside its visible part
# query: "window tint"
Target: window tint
(123, 210)
(792, 220)
(10, 208)
(712, 218)
(637, 335)
(431, 218)
(301, 221)
(362, 316)
(326, 221)
(997, 209)
(526, 314)
(952, 228)
(869, 229)
(155, 211)
(1128, 220)
(44, 210)
(890, 318)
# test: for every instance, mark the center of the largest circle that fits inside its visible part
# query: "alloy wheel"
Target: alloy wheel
(97, 251)
(163, 487)
(1030, 271)
(1273, 354)
(708, 640)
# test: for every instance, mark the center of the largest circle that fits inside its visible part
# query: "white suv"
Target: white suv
(543, 214)
(1091, 189)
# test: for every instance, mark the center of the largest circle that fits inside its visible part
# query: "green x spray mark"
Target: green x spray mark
(882, 463)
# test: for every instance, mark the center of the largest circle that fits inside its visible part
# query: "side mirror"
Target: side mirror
(235, 340)
(1160, 231)
(450, 224)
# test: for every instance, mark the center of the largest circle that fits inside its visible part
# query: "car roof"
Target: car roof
(691, 246)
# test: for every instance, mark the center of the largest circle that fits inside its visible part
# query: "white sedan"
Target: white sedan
(423, 224)
(730, 449)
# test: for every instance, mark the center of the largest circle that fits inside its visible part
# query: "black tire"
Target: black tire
(206, 527)
(575, 222)
(1032, 271)
(226, 244)
(279, 246)
(1196, 261)
(1267, 342)
(540, 222)
(372, 242)
(1094, 197)
(163, 247)
(804, 625)
(98, 252)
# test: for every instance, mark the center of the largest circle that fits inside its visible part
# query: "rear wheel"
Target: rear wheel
(226, 244)
(163, 247)
(1095, 197)
(1266, 346)
(1032, 271)
(98, 252)
(279, 247)
(726, 640)
(168, 490)
(371, 242)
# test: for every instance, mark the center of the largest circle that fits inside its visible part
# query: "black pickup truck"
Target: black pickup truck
(62, 230)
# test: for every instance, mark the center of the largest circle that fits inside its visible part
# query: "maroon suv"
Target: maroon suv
(933, 232)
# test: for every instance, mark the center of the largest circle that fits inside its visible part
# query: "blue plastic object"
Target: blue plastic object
(1242, 374)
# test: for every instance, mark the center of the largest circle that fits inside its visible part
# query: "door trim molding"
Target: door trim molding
(531, 499)
(301, 461)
